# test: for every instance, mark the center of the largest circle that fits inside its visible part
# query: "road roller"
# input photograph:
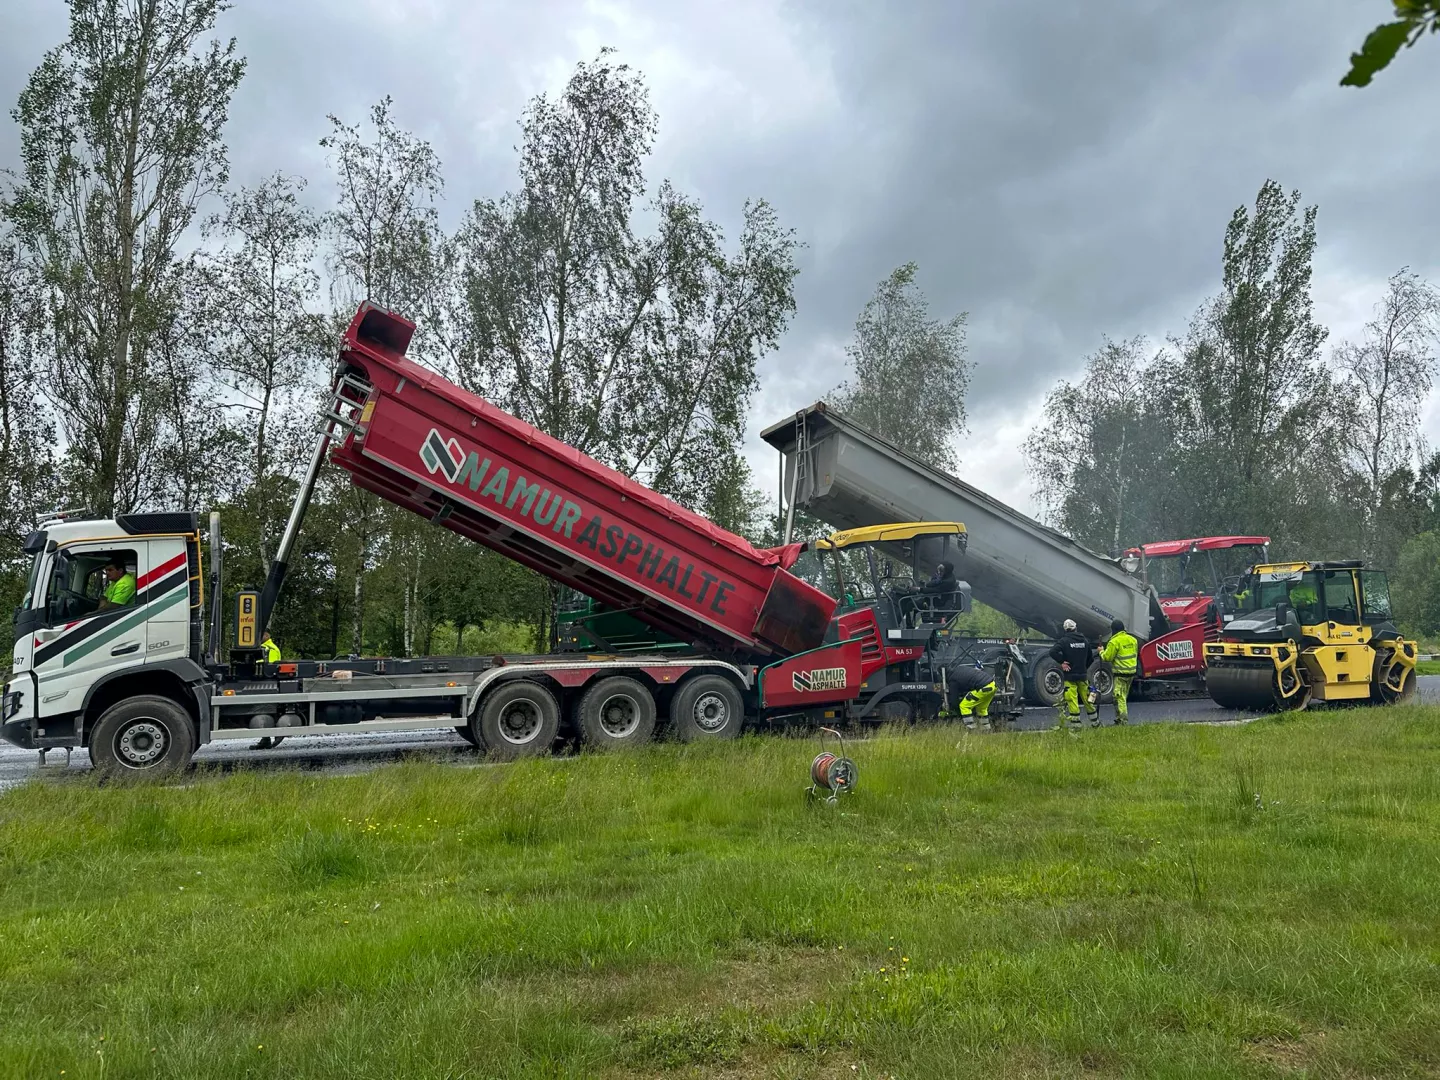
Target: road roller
(1299, 632)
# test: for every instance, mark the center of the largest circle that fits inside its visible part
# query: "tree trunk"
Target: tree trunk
(357, 619)
(406, 623)
(1119, 490)
(546, 625)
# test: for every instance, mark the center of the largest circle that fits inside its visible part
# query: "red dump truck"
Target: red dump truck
(142, 685)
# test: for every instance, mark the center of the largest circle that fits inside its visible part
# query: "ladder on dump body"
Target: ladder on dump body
(801, 470)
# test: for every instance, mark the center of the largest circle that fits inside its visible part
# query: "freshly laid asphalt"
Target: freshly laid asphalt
(365, 750)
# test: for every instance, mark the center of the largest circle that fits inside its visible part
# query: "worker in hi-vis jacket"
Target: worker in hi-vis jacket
(1122, 653)
(974, 687)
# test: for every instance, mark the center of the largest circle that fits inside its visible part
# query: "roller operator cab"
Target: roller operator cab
(1309, 631)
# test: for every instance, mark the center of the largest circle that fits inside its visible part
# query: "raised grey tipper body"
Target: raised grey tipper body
(1039, 577)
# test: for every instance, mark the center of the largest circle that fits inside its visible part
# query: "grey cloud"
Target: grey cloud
(1061, 172)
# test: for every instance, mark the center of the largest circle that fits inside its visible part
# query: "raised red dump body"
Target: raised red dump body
(427, 445)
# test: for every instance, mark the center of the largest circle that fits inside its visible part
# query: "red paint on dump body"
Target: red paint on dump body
(450, 455)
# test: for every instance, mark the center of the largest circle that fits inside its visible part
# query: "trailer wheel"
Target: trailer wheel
(707, 707)
(1045, 685)
(142, 737)
(616, 712)
(517, 719)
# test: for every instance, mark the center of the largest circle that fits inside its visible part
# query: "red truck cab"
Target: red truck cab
(1192, 579)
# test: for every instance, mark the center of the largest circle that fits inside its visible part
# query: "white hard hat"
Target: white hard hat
(1068, 625)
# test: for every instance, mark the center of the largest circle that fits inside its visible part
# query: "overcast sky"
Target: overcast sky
(1060, 176)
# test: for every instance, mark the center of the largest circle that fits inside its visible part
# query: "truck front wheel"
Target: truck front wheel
(148, 737)
(707, 707)
(518, 719)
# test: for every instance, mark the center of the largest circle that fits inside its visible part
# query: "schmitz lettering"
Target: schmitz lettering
(830, 678)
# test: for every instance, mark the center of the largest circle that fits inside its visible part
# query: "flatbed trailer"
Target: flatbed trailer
(143, 685)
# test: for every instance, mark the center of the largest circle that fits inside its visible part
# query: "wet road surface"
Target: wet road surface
(367, 750)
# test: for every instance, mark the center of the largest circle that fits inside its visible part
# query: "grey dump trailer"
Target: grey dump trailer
(848, 477)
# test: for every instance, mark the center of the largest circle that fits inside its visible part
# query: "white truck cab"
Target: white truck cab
(76, 654)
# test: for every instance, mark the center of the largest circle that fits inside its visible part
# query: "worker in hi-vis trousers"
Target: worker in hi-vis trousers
(1122, 653)
(1074, 655)
(974, 687)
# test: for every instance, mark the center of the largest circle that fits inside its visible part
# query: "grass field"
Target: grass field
(1168, 900)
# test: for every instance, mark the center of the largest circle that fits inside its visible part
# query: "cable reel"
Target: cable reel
(832, 772)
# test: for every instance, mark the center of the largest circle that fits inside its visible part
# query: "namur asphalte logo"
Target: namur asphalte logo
(442, 455)
(820, 679)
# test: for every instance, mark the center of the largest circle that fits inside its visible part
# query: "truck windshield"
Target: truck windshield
(1201, 573)
(32, 581)
(1176, 575)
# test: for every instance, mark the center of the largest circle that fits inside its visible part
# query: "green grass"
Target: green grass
(1147, 902)
(1427, 667)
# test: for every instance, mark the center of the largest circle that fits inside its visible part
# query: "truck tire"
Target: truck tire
(517, 719)
(707, 707)
(1045, 682)
(616, 712)
(1103, 680)
(142, 738)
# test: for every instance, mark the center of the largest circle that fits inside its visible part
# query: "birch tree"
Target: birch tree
(27, 477)
(384, 236)
(910, 372)
(120, 133)
(1388, 374)
(640, 350)
(1100, 443)
(260, 296)
(1257, 414)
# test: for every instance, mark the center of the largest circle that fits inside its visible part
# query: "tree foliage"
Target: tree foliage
(1100, 445)
(1386, 376)
(640, 350)
(120, 131)
(1235, 427)
(910, 372)
(149, 373)
(1412, 19)
(1243, 426)
(257, 306)
(27, 459)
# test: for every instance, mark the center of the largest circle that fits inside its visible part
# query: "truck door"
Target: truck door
(168, 596)
(83, 637)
